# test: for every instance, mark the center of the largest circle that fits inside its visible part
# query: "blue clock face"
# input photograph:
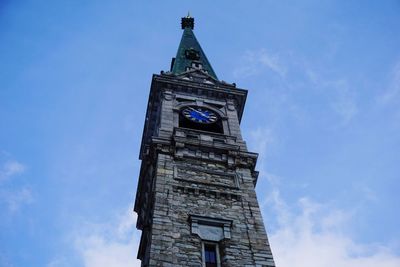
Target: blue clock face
(200, 115)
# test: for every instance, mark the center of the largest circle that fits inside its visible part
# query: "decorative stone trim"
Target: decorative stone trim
(211, 229)
(185, 172)
(168, 96)
(205, 192)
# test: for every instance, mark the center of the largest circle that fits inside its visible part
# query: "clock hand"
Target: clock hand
(201, 113)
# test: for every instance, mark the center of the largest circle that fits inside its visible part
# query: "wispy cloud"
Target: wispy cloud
(392, 93)
(261, 139)
(255, 62)
(58, 262)
(300, 79)
(343, 102)
(12, 197)
(10, 168)
(318, 237)
(341, 96)
(312, 234)
(112, 244)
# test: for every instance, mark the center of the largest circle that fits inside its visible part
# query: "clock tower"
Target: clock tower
(196, 200)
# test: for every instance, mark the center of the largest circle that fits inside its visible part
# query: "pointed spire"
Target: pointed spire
(190, 55)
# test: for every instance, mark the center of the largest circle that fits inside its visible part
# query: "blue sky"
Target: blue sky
(323, 111)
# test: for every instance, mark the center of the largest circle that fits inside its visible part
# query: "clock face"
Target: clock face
(200, 115)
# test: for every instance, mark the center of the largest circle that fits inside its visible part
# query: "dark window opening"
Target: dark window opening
(210, 255)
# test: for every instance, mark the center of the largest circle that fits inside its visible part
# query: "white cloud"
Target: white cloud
(311, 234)
(345, 108)
(272, 62)
(109, 245)
(342, 98)
(58, 262)
(392, 93)
(298, 76)
(16, 199)
(257, 61)
(261, 139)
(343, 103)
(318, 237)
(13, 198)
(10, 168)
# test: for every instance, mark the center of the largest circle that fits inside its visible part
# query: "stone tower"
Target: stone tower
(195, 200)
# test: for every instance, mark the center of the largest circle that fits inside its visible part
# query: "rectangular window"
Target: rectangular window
(210, 255)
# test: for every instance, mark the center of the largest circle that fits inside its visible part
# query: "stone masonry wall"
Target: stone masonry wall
(176, 198)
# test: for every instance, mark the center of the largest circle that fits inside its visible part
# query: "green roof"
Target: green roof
(190, 55)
